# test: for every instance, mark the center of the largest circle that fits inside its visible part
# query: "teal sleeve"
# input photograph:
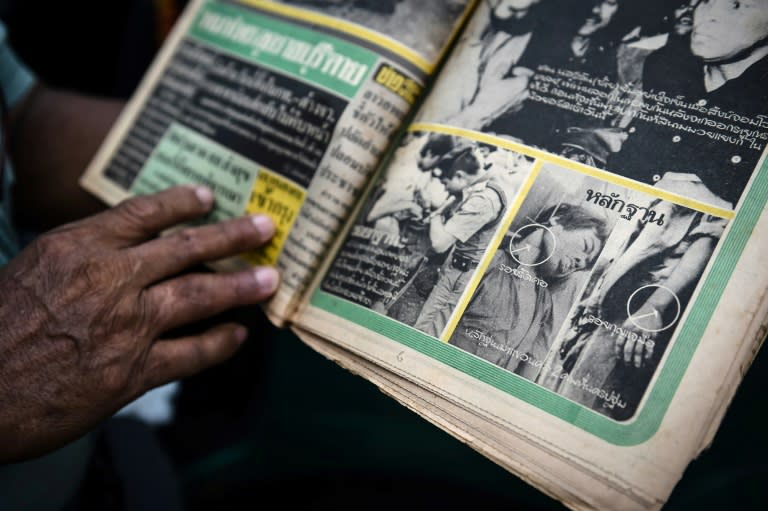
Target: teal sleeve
(15, 77)
(15, 80)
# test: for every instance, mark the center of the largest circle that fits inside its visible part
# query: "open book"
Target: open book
(536, 223)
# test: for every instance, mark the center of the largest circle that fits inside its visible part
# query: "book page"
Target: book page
(558, 246)
(281, 107)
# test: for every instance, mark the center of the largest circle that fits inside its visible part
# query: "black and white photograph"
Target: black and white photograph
(425, 228)
(588, 287)
(616, 338)
(608, 82)
(537, 273)
(422, 25)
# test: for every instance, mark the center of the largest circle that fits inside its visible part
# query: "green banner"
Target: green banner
(305, 54)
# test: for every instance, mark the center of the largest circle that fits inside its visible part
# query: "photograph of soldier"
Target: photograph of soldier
(462, 231)
(508, 169)
(402, 205)
(434, 186)
(422, 25)
(619, 332)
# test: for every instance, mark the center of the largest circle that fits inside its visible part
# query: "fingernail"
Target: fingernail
(267, 278)
(205, 195)
(264, 225)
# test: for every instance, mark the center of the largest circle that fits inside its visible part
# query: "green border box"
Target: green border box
(305, 54)
(659, 396)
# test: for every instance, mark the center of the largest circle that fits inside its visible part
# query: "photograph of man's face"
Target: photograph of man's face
(601, 15)
(714, 38)
(574, 250)
(683, 22)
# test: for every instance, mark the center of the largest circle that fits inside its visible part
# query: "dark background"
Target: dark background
(279, 422)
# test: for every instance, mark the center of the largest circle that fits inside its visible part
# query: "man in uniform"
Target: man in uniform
(466, 231)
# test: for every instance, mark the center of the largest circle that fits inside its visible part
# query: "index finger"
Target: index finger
(143, 217)
(168, 255)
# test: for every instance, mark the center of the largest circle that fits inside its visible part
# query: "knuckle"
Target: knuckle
(103, 278)
(190, 241)
(187, 235)
(113, 372)
(136, 209)
(198, 241)
(143, 318)
(191, 291)
(54, 244)
(114, 381)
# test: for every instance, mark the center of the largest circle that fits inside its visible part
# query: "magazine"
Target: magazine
(536, 223)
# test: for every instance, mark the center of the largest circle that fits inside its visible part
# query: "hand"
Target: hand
(506, 95)
(515, 87)
(85, 309)
(495, 98)
(638, 352)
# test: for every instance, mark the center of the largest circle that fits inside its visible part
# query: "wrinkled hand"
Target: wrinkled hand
(85, 308)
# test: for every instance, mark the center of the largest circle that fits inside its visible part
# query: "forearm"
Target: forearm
(53, 136)
(440, 239)
(688, 269)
